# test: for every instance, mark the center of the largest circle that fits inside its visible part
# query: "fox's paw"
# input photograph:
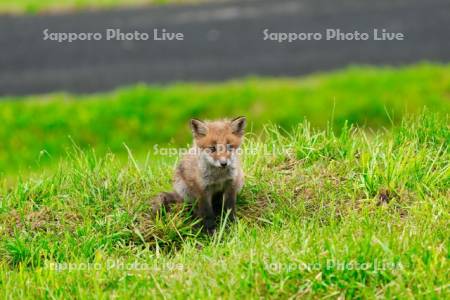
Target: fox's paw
(210, 227)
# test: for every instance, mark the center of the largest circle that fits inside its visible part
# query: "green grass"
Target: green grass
(45, 6)
(350, 213)
(36, 131)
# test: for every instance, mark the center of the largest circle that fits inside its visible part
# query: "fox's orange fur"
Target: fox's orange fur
(210, 174)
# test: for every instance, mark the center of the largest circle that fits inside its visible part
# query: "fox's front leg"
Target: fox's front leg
(230, 196)
(206, 213)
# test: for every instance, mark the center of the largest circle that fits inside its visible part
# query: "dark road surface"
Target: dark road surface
(221, 41)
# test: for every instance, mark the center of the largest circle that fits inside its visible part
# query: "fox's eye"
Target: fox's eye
(229, 147)
(213, 149)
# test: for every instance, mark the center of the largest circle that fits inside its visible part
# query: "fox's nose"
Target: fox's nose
(223, 163)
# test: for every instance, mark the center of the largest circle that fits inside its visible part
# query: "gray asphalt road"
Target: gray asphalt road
(221, 41)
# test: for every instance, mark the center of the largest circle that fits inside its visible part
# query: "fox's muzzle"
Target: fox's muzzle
(223, 162)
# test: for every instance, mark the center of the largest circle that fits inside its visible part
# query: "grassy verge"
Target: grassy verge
(51, 6)
(37, 130)
(349, 214)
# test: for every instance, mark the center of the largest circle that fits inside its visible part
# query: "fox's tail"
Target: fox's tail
(165, 199)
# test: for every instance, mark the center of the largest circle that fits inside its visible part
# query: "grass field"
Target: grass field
(36, 131)
(51, 6)
(355, 214)
(346, 195)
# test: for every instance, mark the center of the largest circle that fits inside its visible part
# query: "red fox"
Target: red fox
(210, 174)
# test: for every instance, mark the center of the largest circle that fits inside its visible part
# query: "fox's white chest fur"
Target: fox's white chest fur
(215, 177)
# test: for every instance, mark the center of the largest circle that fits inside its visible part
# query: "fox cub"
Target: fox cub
(210, 174)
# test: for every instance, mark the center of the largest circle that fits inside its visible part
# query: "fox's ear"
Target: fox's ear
(198, 128)
(238, 125)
